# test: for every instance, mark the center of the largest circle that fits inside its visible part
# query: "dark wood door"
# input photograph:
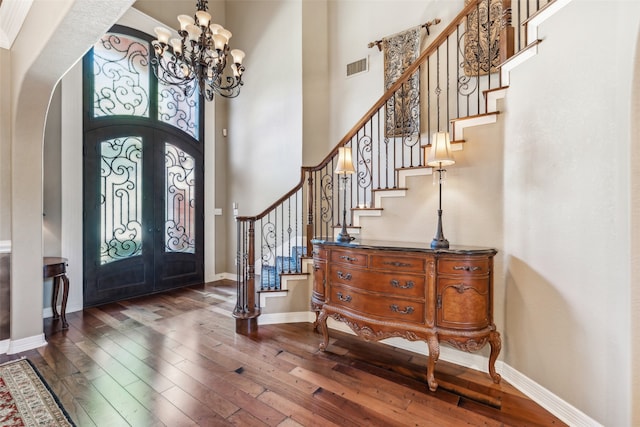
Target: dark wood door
(143, 213)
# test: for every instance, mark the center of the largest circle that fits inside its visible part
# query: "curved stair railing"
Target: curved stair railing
(447, 82)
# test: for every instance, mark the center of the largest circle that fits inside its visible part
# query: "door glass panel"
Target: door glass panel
(178, 109)
(180, 195)
(121, 76)
(121, 198)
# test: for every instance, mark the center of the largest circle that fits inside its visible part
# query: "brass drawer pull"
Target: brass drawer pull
(348, 258)
(397, 264)
(466, 268)
(344, 276)
(345, 299)
(396, 284)
(396, 309)
(461, 287)
(316, 267)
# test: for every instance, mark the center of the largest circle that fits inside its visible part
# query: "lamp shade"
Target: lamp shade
(440, 153)
(345, 164)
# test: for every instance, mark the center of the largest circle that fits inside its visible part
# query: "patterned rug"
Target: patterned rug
(26, 400)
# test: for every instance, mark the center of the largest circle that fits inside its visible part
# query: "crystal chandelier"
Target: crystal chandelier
(199, 54)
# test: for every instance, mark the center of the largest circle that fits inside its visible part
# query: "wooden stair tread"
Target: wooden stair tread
(390, 189)
(476, 116)
(521, 52)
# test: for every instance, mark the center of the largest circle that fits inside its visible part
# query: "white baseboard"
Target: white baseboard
(549, 401)
(297, 317)
(4, 346)
(24, 344)
(226, 276)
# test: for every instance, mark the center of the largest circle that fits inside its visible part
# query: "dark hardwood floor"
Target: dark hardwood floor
(174, 359)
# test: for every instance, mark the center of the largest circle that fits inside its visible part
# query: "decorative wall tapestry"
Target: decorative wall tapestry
(482, 38)
(402, 113)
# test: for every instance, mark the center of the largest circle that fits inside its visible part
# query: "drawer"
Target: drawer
(371, 305)
(463, 304)
(349, 257)
(398, 284)
(399, 263)
(476, 266)
(319, 253)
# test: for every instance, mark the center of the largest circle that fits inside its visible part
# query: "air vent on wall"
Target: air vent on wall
(357, 67)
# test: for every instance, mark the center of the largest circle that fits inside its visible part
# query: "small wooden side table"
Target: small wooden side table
(56, 267)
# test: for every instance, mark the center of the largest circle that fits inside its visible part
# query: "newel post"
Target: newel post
(246, 311)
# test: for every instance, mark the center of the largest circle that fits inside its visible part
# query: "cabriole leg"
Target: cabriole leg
(322, 322)
(496, 345)
(434, 354)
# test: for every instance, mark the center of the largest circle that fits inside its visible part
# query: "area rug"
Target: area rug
(25, 398)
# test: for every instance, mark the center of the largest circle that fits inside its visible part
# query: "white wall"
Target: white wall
(265, 121)
(5, 144)
(634, 160)
(566, 209)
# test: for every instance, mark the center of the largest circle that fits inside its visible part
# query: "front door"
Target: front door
(143, 177)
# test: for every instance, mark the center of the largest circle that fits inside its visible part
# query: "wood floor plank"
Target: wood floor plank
(174, 359)
(201, 414)
(355, 395)
(292, 410)
(127, 406)
(159, 405)
(259, 410)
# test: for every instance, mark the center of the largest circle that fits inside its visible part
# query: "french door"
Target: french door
(143, 176)
(143, 223)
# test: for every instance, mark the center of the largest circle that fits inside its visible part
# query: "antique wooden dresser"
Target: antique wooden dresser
(408, 290)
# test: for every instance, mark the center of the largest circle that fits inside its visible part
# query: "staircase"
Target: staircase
(388, 145)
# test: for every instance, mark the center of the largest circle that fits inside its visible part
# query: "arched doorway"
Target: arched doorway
(143, 175)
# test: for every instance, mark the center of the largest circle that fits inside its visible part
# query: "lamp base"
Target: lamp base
(344, 236)
(441, 243)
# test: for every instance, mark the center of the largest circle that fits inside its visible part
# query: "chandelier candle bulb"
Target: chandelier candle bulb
(225, 33)
(237, 55)
(203, 18)
(185, 20)
(219, 41)
(177, 46)
(194, 32)
(163, 34)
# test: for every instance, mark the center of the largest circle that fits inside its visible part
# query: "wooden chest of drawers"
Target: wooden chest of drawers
(384, 290)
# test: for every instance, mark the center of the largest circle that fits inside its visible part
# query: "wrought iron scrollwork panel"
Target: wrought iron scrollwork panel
(121, 76)
(268, 243)
(364, 161)
(120, 198)
(178, 109)
(326, 198)
(180, 190)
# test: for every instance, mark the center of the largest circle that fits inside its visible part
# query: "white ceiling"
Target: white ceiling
(12, 15)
